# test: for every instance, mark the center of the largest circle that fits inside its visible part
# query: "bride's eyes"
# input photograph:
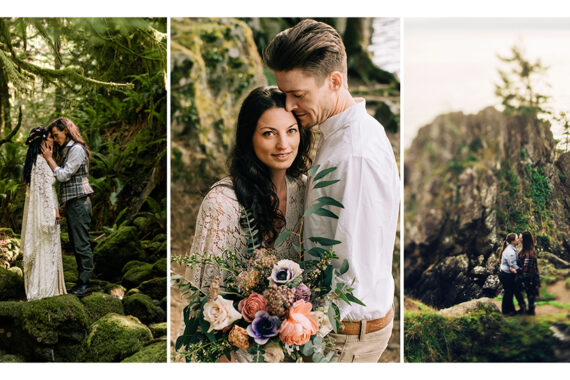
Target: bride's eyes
(268, 133)
(293, 130)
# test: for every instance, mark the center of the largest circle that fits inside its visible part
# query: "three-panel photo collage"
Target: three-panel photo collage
(284, 190)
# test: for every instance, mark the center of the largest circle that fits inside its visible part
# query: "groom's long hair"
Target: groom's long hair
(34, 142)
(251, 178)
(71, 130)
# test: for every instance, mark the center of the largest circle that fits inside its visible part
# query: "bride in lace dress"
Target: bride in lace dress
(43, 268)
(267, 167)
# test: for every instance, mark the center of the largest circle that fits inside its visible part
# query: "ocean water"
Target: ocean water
(451, 64)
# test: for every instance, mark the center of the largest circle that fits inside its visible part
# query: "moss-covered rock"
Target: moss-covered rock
(152, 353)
(117, 249)
(70, 274)
(136, 274)
(154, 249)
(11, 358)
(98, 305)
(141, 306)
(11, 285)
(159, 267)
(155, 288)
(50, 329)
(158, 329)
(113, 338)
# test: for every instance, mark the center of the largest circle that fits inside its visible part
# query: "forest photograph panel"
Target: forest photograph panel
(83, 189)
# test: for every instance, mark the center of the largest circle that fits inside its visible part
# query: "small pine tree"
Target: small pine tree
(520, 87)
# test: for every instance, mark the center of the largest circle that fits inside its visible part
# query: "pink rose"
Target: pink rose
(300, 324)
(251, 305)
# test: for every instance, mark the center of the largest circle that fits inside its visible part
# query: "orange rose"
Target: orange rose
(251, 305)
(300, 325)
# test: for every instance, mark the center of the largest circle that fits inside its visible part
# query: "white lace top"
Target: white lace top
(218, 226)
(41, 242)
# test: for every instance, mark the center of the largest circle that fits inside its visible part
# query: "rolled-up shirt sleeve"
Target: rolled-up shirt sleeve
(74, 160)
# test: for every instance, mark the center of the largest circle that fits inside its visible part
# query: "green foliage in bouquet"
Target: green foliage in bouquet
(276, 298)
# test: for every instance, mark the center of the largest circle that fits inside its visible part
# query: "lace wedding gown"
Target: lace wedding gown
(218, 226)
(41, 242)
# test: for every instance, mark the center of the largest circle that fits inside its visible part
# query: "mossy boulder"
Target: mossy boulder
(50, 329)
(158, 329)
(159, 267)
(152, 353)
(136, 273)
(99, 304)
(114, 251)
(11, 285)
(155, 248)
(155, 288)
(141, 306)
(114, 338)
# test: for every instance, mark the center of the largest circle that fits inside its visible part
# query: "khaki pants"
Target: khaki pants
(363, 348)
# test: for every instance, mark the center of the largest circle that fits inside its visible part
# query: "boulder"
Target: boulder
(141, 306)
(469, 306)
(158, 329)
(70, 274)
(50, 329)
(153, 353)
(159, 267)
(98, 305)
(155, 288)
(114, 251)
(135, 274)
(114, 338)
(11, 285)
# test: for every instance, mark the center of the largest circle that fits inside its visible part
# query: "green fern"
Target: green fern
(250, 228)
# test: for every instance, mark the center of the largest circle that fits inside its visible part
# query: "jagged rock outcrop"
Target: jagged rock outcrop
(469, 180)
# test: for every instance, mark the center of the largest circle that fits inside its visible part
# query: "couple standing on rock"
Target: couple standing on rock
(518, 272)
(41, 241)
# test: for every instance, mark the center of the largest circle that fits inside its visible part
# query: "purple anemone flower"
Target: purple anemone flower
(263, 327)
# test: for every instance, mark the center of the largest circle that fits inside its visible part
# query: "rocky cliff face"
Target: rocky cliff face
(469, 180)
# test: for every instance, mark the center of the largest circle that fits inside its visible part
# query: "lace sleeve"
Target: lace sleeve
(41, 188)
(217, 229)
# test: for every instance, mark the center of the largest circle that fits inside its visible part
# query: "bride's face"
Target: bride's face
(49, 141)
(276, 139)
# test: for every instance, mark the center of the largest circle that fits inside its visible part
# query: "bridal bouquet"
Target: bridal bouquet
(263, 309)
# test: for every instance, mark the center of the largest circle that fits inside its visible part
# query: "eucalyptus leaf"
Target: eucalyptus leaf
(316, 251)
(325, 183)
(323, 173)
(328, 201)
(327, 213)
(352, 298)
(311, 209)
(324, 241)
(307, 349)
(344, 267)
(282, 236)
(331, 315)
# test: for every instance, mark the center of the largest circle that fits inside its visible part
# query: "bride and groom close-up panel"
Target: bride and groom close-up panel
(297, 238)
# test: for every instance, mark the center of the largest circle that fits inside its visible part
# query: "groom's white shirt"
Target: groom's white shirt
(369, 188)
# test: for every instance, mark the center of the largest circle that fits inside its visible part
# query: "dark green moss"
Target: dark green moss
(158, 329)
(136, 274)
(117, 249)
(153, 353)
(11, 285)
(141, 306)
(155, 288)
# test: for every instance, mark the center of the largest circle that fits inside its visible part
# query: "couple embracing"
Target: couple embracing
(267, 177)
(41, 241)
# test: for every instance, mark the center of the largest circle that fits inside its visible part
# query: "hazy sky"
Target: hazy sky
(450, 64)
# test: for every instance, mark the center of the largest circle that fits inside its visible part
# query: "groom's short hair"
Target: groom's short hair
(310, 45)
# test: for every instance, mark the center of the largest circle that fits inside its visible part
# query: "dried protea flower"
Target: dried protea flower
(214, 288)
(238, 337)
(279, 299)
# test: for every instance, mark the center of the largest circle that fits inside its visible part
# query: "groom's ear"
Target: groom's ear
(336, 80)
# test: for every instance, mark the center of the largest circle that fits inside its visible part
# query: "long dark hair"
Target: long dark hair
(509, 239)
(251, 178)
(527, 244)
(71, 132)
(34, 142)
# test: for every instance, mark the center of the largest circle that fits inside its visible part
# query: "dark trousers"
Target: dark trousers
(511, 288)
(78, 212)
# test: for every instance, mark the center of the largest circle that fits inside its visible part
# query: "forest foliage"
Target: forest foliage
(108, 75)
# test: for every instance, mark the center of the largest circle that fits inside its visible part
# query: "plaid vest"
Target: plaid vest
(78, 185)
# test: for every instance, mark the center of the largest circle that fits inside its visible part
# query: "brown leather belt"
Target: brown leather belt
(353, 328)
